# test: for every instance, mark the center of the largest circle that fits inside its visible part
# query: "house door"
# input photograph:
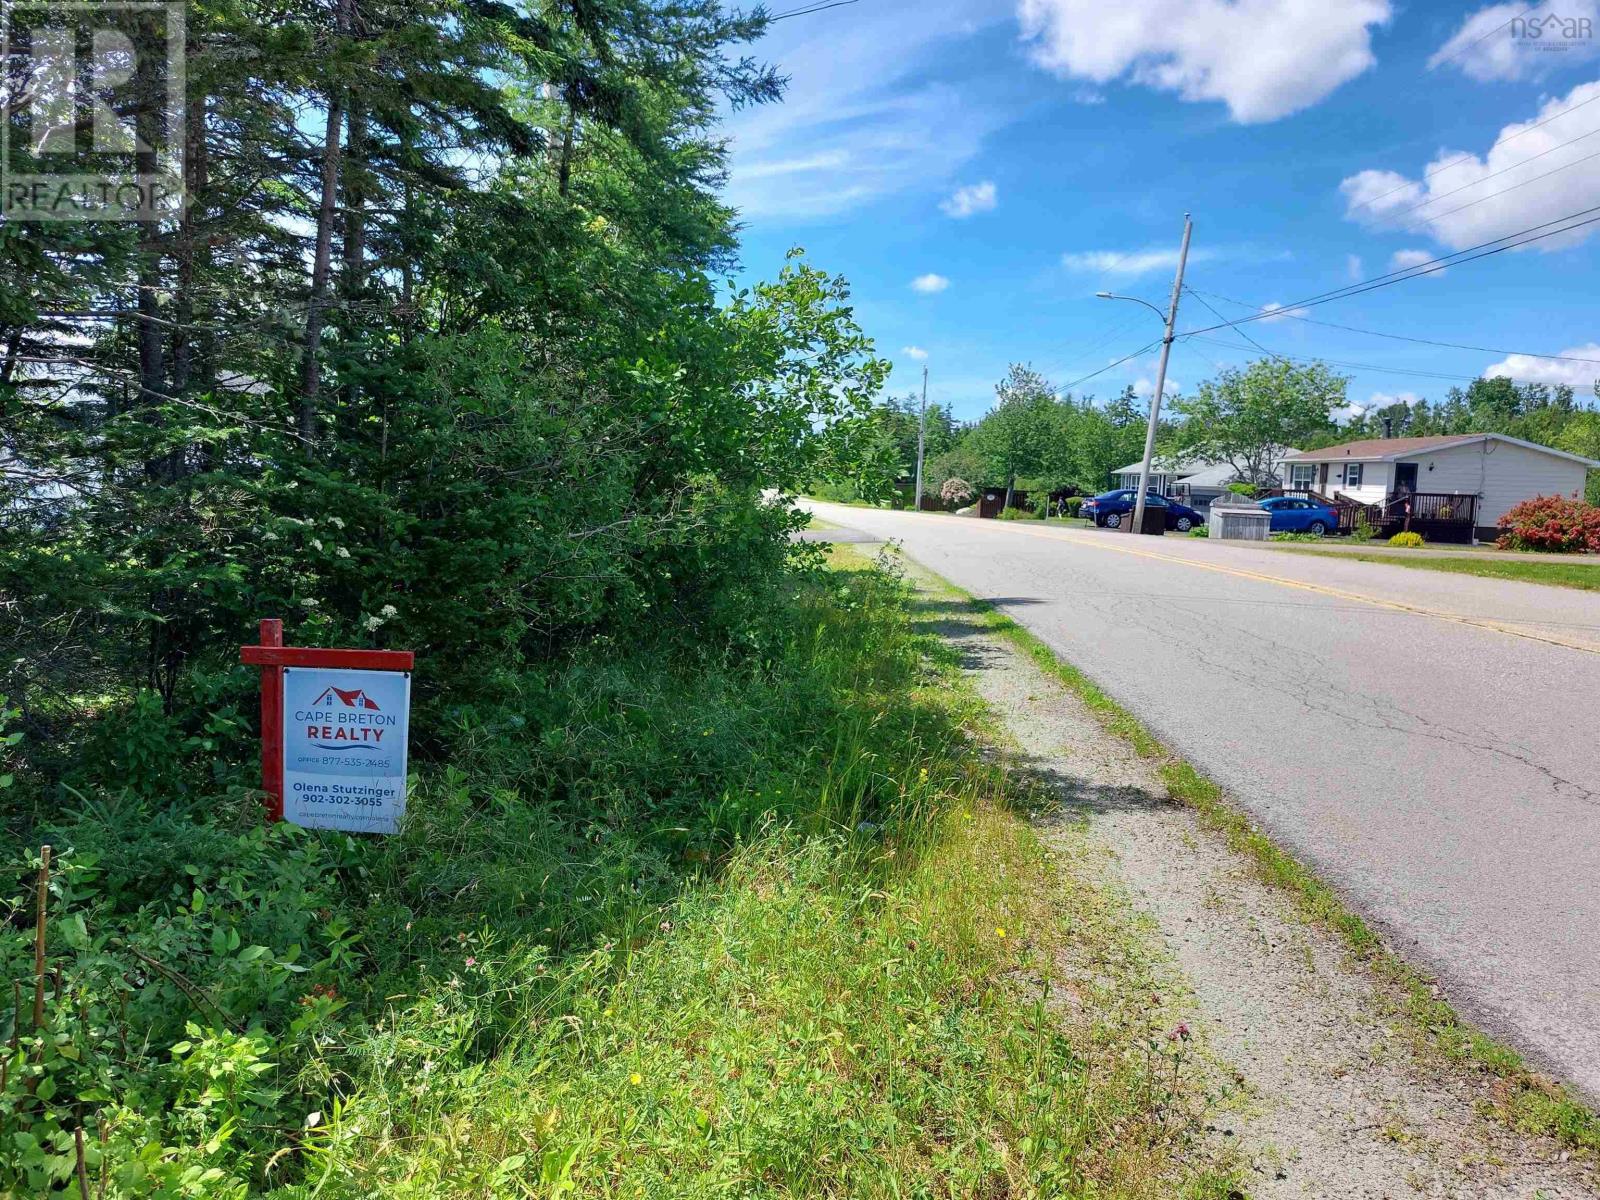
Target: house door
(1405, 478)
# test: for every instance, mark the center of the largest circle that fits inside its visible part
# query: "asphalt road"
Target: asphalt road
(1426, 741)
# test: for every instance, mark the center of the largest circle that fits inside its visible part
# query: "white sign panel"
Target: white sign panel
(344, 748)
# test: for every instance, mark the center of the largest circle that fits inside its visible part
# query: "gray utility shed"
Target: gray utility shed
(1240, 519)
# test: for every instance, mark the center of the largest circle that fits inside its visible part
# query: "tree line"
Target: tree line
(435, 354)
(1038, 440)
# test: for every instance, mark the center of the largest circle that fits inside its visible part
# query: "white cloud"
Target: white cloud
(929, 284)
(1541, 370)
(1377, 400)
(1353, 267)
(1404, 260)
(1521, 41)
(1461, 199)
(1264, 59)
(1276, 312)
(916, 352)
(1130, 262)
(1146, 387)
(864, 115)
(974, 198)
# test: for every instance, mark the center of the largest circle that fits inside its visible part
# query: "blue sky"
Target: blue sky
(978, 171)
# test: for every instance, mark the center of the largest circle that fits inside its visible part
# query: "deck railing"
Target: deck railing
(1438, 516)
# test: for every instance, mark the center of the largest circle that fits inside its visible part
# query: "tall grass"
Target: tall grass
(676, 926)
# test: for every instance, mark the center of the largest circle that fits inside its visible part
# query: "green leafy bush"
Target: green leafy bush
(1199, 531)
(1015, 513)
(221, 980)
(1287, 536)
(1072, 505)
(1408, 540)
(7, 741)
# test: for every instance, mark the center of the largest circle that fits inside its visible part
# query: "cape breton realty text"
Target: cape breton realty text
(346, 728)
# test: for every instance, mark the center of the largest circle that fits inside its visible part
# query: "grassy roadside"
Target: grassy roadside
(1515, 1094)
(687, 925)
(1582, 575)
(859, 998)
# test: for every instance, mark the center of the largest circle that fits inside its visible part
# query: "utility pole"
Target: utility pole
(1161, 380)
(922, 435)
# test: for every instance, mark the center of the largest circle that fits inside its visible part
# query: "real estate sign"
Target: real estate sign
(344, 748)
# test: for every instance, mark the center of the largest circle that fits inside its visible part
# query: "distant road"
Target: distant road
(1428, 741)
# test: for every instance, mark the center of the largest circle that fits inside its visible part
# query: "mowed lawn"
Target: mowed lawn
(1580, 573)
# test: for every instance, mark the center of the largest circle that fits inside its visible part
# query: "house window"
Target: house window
(1301, 476)
(1352, 474)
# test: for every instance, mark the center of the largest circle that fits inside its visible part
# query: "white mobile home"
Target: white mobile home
(1467, 480)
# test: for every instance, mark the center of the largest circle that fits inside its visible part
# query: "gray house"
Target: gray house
(1196, 482)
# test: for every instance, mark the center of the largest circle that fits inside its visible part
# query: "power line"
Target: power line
(1479, 41)
(807, 10)
(1086, 348)
(1413, 372)
(1241, 332)
(1432, 265)
(1445, 166)
(1486, 178)
(1554, 171)
(1398, 337)
(1067, 387)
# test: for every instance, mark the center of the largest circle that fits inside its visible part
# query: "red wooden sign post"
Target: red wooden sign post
(272, 656)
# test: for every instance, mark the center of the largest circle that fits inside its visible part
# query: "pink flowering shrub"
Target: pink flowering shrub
(956, 491)
(1551, 523)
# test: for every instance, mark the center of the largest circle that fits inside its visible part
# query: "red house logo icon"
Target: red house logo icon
(351, 699)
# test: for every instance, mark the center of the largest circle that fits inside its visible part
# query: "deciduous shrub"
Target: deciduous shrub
(1199, 531)
(1072, 504)
(1364, 531)
(1558, 524)
(1017, 514)
(957, 492)
(1408, 540)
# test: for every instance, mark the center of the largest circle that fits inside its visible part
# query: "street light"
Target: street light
(1161, 372)
(1135, 299)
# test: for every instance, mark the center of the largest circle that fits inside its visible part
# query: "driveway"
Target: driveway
(1426, 741)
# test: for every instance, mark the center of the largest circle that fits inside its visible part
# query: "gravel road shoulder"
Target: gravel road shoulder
(1326, 1095)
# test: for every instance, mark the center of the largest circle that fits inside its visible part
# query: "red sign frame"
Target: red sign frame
(272, 656)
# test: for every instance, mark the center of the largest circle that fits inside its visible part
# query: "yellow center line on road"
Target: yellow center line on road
(1099, 542)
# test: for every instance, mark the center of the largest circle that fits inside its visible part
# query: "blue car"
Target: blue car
(1291, 515)
(1110, 509)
